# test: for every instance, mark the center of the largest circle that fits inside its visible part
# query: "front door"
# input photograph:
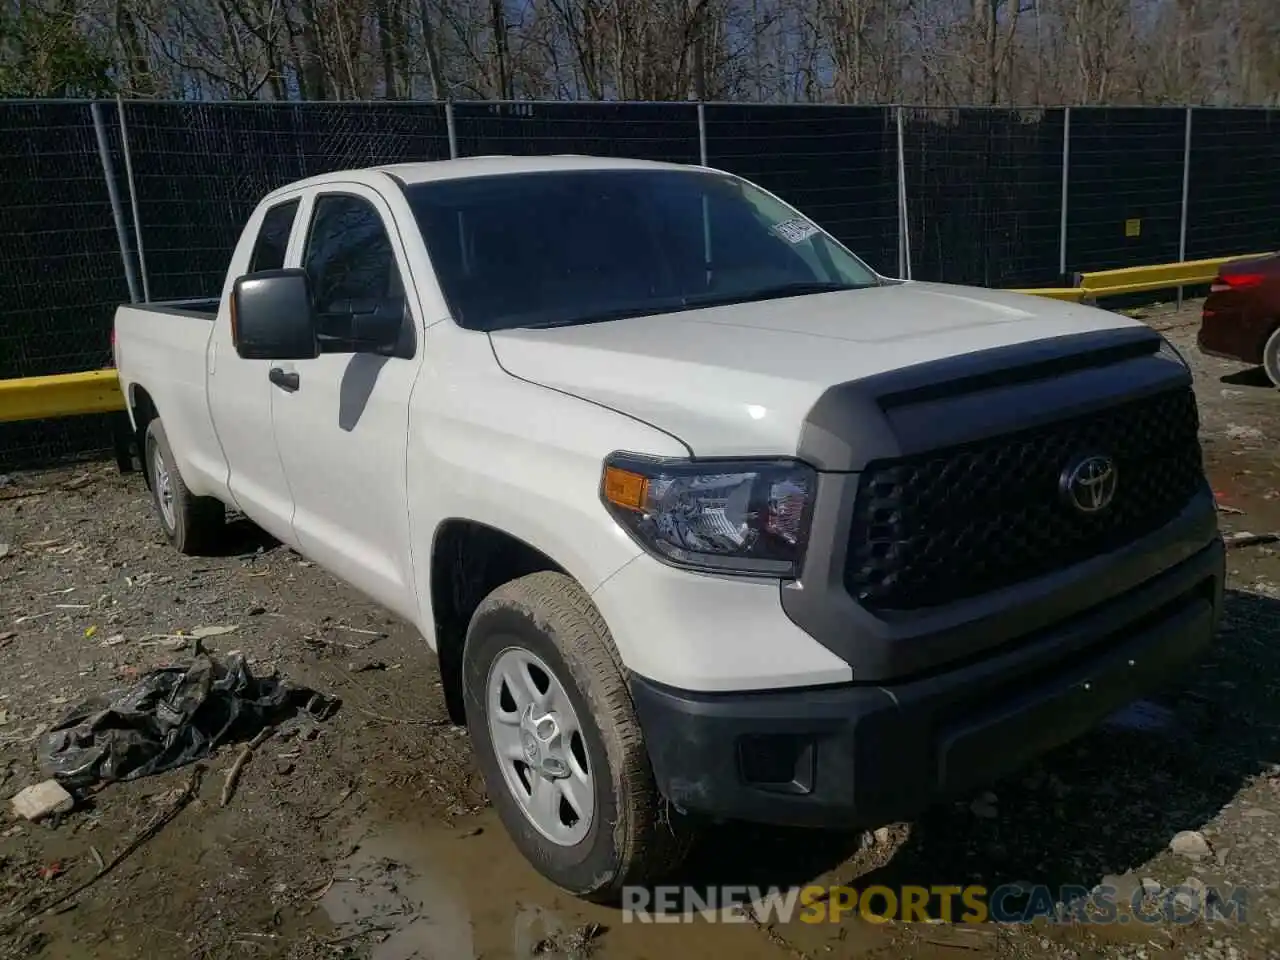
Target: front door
(342, 425)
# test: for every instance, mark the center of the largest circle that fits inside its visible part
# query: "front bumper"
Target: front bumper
(868, 754)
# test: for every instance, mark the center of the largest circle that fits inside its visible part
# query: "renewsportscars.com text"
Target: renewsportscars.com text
(1011, 903)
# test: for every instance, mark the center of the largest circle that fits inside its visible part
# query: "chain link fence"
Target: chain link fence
(984, 196)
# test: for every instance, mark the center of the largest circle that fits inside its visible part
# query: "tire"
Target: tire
(1271, 357)
(192, 524)
(628, 836)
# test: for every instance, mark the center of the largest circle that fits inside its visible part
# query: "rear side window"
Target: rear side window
(273, 238)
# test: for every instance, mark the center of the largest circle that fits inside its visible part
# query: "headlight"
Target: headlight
(1170, 352)
(714, 515)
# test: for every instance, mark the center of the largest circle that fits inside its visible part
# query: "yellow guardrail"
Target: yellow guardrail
(1162, 276)
(61, 395)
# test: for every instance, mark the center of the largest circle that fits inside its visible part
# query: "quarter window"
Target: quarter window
(273, 237)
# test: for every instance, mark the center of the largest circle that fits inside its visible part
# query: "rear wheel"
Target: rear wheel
(192, 524)
(558, 743)
(1271, 357)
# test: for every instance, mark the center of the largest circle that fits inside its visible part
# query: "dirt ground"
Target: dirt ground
(368, 834)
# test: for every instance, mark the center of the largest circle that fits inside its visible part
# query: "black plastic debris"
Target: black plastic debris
(173, 716)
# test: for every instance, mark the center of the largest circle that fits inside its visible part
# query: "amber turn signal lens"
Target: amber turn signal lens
(625, 489)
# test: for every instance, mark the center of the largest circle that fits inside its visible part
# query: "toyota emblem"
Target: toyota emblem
(1089, 484)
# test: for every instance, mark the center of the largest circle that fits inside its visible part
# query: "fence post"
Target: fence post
(904, 226)
(133, 201)
(706, 202)
(1066, 180)
(453, 131)
(702, 133)
(117, 213)
(1186, 194)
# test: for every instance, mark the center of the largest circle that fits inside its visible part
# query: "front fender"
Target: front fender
(524, 460)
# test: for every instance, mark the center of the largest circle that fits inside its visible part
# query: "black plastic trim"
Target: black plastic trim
(883, 753)
(907, 644)
(982, 394)
(204, 309)
(944, 403)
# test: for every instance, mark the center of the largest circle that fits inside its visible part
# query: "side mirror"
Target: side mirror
(361, 326)
(272, 318)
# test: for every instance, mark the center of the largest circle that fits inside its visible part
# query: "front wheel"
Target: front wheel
(558, 743)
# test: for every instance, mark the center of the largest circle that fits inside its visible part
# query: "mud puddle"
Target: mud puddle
(419, 890)
(422, 891)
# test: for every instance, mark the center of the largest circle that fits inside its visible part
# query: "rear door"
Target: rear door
(342, 434)
(240, 395)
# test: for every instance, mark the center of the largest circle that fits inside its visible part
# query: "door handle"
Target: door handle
(285, 381)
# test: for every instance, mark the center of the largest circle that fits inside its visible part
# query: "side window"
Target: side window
(349, 258)
(273, 237)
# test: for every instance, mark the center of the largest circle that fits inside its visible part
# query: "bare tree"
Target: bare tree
(945, 52)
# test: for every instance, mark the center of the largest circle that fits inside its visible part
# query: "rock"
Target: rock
(257, 611)
(4, 550)
(203, 633)
(882, 835)
(1237, 432)
(1190, 844)
(1151, 887)
(41, 800)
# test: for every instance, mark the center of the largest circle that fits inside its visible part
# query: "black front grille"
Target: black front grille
(955, 523)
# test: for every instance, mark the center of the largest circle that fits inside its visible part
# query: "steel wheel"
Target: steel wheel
(537, 738)
(163, 487)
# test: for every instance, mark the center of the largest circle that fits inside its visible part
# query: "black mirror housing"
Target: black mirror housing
(357, 326)
(272, 316)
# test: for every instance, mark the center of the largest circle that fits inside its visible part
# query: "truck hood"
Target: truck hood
(739, 380)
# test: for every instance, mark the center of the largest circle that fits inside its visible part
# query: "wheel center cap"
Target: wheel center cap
(540, 741)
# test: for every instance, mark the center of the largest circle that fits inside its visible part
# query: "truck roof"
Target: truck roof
(425, 171)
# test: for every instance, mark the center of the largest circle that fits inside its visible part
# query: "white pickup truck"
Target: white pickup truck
(703, 518)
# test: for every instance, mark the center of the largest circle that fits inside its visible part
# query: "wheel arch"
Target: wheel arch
(142, 410)
(469, 560)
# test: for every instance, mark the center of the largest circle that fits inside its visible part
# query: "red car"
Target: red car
(1241, 318)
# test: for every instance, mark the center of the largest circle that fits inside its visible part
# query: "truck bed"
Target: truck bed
(201, 309)
(165, 346)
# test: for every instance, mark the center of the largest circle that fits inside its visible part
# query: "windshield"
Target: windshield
(567, 247)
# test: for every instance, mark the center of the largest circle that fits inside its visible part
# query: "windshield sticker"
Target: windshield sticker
(794, 231)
